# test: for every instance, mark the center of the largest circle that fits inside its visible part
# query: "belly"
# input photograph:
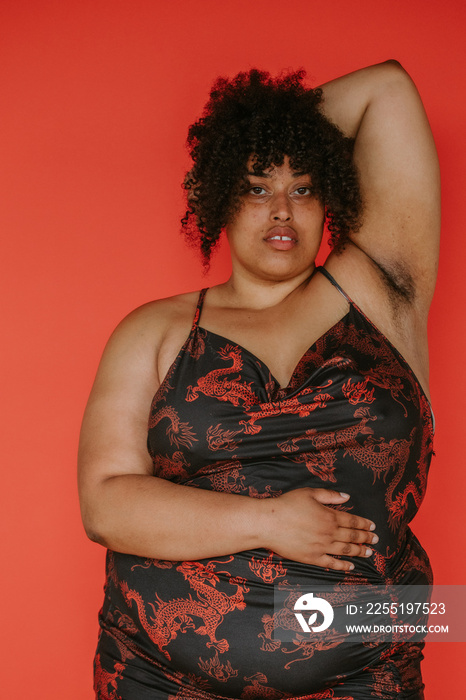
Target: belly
(215, 623)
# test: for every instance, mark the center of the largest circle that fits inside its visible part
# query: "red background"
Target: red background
(97, 96)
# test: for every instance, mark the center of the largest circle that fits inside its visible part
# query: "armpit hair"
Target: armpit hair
(399, 281)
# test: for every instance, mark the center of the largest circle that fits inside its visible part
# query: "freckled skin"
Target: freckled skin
(278, 198)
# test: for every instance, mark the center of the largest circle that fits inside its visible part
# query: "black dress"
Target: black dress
(353, 418)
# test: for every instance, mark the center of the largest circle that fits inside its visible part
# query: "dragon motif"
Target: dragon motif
(320, 465)
(179, 433)
(267, 569)
(196, 344)
(103, 679)
(125, 624)
(171, 467)
(358, 393)
(177, 614)
(159, 563)
(268, 493)
(281, 619)
(213, 667)
(321, 460)
(227, 479)
(291, 405)
(259, 689)
(218, 439)
(380, 456)
(385, 373)
(216, 384)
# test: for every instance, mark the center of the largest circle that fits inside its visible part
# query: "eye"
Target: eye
(303, 191)
(257, 190)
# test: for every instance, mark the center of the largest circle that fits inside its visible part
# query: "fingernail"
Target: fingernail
(375, 539)
(372, 527)
(351, 567)
(345, 495)
(368, 552)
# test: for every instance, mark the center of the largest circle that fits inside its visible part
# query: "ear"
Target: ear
(190, 184)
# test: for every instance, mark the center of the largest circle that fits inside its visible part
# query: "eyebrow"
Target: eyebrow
(267, 175)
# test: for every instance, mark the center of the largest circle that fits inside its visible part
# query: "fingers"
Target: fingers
(336, 564)
(345, 549)
(353, 522)
(356, 536)
(352, 543)
(328, 496)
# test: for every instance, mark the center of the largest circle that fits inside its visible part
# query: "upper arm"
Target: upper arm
(397, 162)
(114, 430)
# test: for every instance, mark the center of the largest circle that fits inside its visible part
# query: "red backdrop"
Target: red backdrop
(97, 96)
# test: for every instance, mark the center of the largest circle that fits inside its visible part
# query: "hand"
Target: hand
(301, 527)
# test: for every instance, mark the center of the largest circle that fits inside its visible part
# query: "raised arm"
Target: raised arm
(397, 162)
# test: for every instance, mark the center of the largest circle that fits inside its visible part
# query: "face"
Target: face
(277, 232)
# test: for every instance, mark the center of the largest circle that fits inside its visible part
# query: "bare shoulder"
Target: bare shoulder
(144, 340)
(156, 317)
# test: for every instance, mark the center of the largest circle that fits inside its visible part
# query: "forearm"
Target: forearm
(155, 518)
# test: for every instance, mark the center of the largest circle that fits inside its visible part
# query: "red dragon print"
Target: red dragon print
(219, 439)
(321, 459)
(267, 493)
(292, 405)
(259, 689)
(216, 384)
(267, 569)
(177, 615)
(171, 467)
(103, 679)
(179, 433)
(358, 392)
(306, 647)
(228, 478)
(215, 668)
(380, 456)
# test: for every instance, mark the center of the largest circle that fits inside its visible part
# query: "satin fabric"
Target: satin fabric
(353, 418)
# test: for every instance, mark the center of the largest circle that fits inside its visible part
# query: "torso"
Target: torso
(352, 413)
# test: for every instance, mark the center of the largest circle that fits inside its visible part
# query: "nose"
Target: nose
(281, 207)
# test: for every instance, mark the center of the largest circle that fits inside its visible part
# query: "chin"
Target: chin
(283, 271)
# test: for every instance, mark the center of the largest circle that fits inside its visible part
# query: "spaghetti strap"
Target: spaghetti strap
(333, 281)
(197, 314)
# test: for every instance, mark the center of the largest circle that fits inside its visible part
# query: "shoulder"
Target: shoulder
(144, 335)
(151, 321)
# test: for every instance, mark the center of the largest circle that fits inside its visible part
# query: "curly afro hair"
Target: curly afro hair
(268, 118)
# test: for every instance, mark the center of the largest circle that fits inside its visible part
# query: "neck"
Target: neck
(245, 291)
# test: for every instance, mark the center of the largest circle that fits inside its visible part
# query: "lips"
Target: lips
(281, 238)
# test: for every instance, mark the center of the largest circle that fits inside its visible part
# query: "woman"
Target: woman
(290, 436)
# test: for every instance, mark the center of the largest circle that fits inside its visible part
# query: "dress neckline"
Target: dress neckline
(352, 306)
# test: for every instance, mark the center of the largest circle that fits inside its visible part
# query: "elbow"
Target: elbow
(93, 526)
(392, 62)
(95, 536)
(392, 79)
(394, 70)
